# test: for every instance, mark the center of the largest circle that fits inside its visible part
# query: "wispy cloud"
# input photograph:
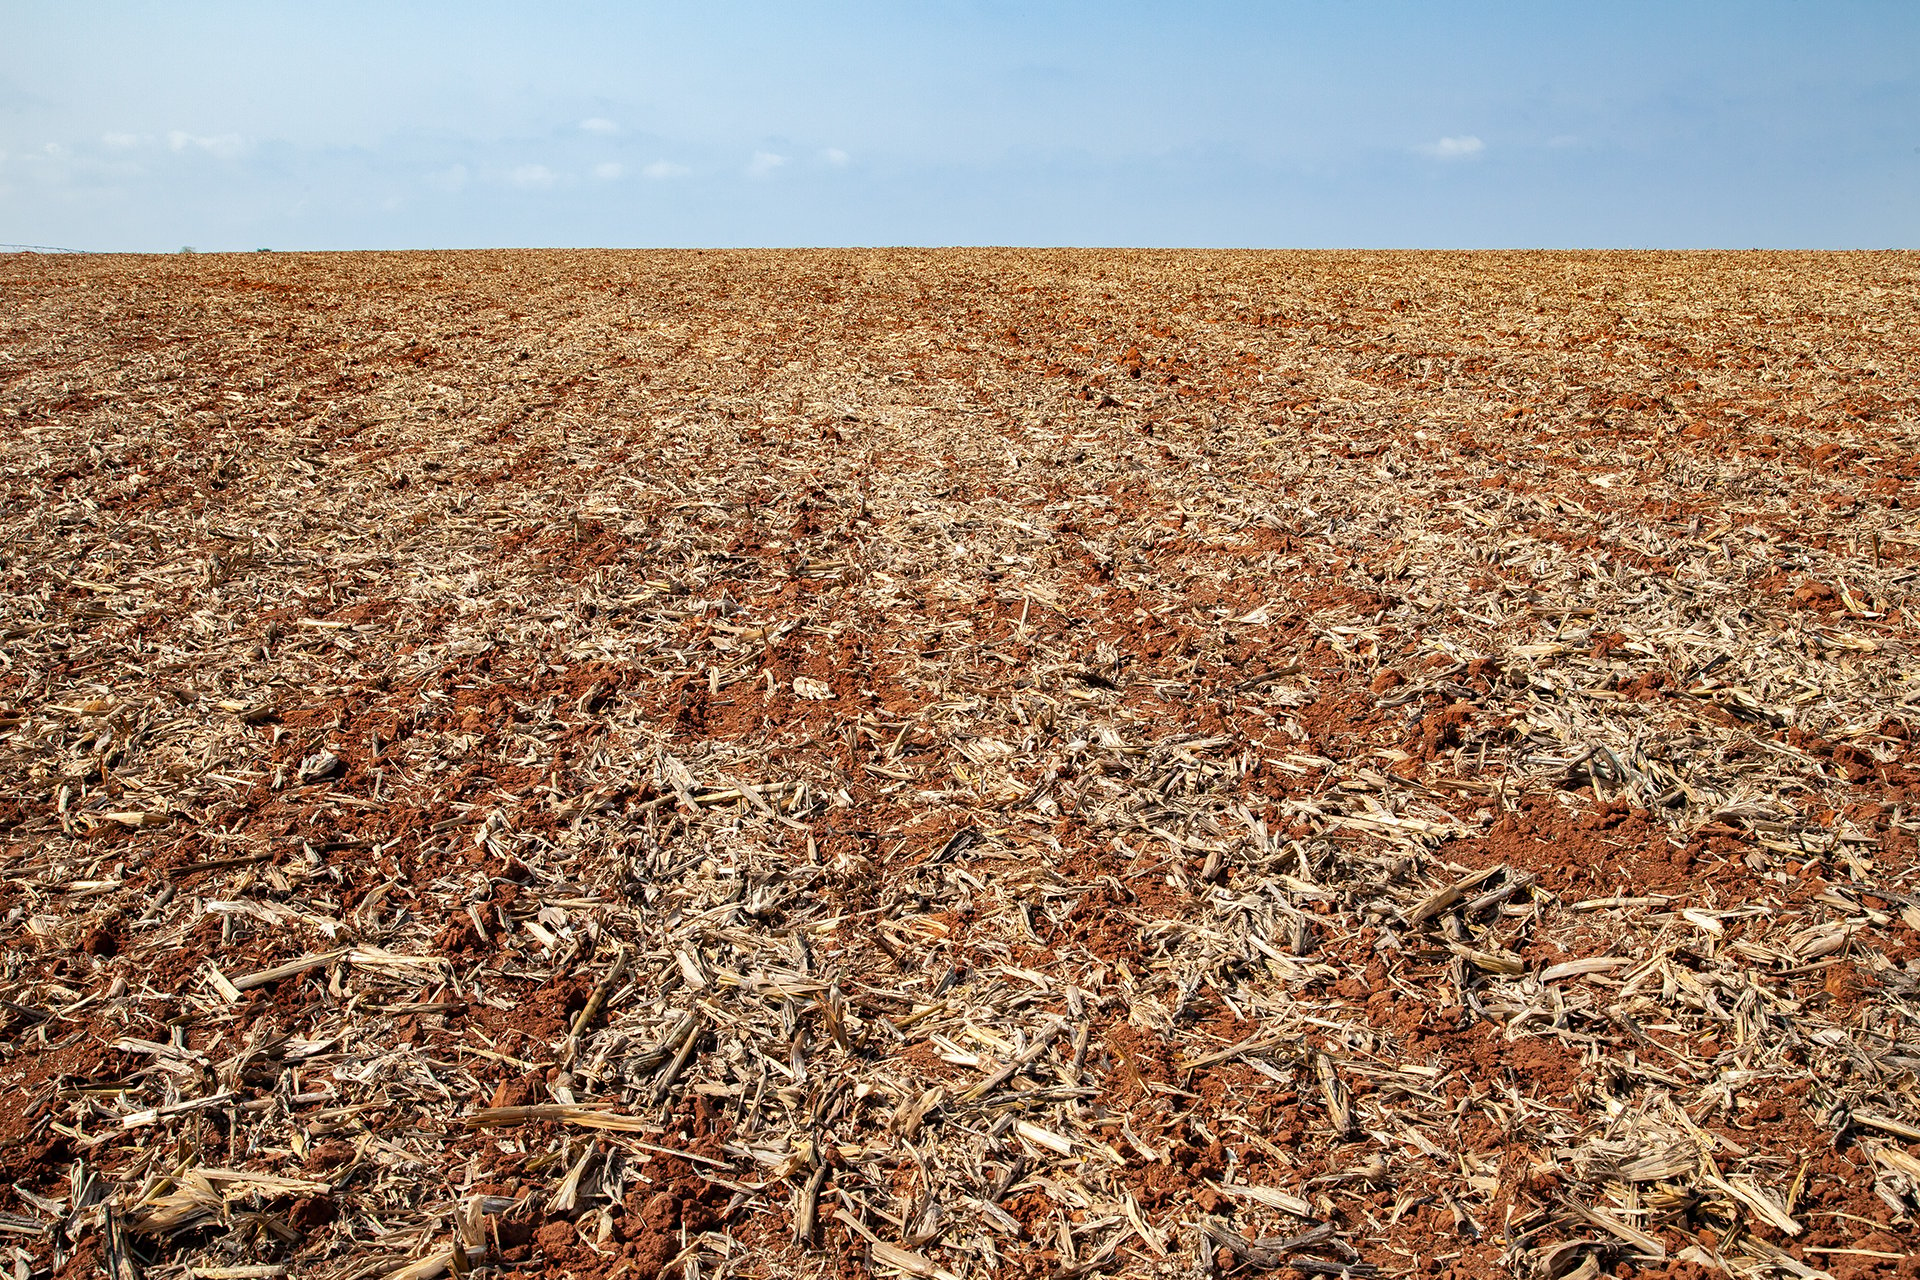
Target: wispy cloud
(609, 170)
(224, 145)
(533, 177)
(120, 141)
(600, 125)
(663, 169)
(836, 157)
(1461, 148)
(763, 164)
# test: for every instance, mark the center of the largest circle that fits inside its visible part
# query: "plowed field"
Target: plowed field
(959, 764)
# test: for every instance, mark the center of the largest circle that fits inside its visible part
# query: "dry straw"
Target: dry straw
(958, 764)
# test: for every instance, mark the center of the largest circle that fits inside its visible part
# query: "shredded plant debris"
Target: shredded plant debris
(959, 764)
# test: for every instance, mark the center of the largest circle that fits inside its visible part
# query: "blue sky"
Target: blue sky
(398, 125)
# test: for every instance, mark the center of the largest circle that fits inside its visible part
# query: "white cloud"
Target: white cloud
(609, 170)
(663, 169)
(533, 177)
(120, 141)
(224, 145)
(1563, 140)
(836, 157)
(600, 125)
(1459, 148)
(763, 164)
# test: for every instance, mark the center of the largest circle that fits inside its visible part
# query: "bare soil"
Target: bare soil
(959, 764)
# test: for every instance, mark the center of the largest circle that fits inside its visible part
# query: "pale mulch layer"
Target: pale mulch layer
(959, 763)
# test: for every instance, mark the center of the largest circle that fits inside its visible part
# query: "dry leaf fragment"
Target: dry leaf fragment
(318, 765)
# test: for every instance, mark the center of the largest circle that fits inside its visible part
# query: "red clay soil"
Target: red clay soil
(959, 763)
